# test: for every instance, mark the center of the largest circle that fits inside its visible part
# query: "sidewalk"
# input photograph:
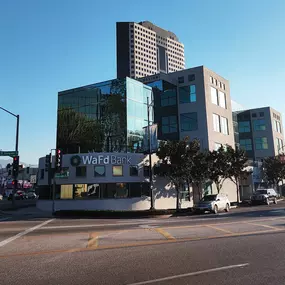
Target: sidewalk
(25, 212)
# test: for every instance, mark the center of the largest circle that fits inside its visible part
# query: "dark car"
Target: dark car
(264, 196)
(19, 195)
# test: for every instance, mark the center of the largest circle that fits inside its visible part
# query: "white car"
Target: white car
(214, 203)
(1, 197)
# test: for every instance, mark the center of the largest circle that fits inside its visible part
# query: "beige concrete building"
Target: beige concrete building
(195, 102)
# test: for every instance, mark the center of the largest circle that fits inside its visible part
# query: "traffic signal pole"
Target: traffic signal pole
(16, 149)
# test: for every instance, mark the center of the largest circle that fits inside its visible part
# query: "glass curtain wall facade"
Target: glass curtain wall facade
(166, 109)
(103, 117)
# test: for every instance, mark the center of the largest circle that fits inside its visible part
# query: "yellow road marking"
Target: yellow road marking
(164, 233)
(93, 240)
(118, 246)
(219, 229)
(265, 226)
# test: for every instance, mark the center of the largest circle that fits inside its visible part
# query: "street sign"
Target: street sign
(64, 174)
(33, 179)
(9, 153)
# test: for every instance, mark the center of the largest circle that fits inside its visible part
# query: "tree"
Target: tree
(237, 160)
(217, 161)
(273, 170)
(199, 173)
(176, 158)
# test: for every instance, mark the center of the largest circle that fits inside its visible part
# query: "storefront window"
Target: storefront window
(121, 190)
(99, 170)
(66, 191)
(134, 170)
(117, 170)
(81, 171)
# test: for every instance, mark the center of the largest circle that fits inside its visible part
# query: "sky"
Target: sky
(51, 45)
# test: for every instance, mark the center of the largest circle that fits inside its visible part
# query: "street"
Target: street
(245, 246)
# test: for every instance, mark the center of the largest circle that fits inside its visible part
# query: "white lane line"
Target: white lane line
(86, 226)
(150, 221)
(6, 241)
(190, 274)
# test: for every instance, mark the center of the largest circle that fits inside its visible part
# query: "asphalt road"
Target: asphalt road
(243, 247)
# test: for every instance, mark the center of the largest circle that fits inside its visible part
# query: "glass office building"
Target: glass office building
(103, 117)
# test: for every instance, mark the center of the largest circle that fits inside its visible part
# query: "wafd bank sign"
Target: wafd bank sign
(76, 160)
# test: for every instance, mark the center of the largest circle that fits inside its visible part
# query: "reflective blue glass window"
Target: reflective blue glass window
(169, 124)
(187, 94)
(189, 122)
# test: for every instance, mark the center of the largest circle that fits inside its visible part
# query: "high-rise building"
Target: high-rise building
(145, 49)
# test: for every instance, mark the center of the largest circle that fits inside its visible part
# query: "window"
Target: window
(261, 114)
(277, 127)
(246, 144)
(99, 170)
(81, 171)
(216, 122)
(188, 122)
(168, 98)
(134, 170)
(191, 77)
(181, 79)
(42, 176)
(224, 126)
(187, 94)
(244, 127)
(253, 115)
(121, 190)
(261, 143)
(222, 99)
(214, 96)
(217, 146)
(259, 125)
(211, 79)
(279, 143)
(169, 124)
(117, 170)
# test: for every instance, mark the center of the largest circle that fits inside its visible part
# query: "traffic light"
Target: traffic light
(58, 160)
(15, 166)
(14, 182)
(47, 162)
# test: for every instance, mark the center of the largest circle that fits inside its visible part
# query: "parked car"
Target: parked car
(19, 195)
(31, 195)
(264, 196)
(214, 203)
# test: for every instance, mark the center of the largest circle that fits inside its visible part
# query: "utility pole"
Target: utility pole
(149, 158)
(15, 186)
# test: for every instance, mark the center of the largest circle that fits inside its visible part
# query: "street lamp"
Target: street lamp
(17, 128)
(16, 146)
(149, 154)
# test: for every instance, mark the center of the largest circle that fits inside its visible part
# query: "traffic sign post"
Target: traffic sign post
(10, 153)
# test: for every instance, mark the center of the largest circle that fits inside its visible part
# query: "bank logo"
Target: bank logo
(75, 160)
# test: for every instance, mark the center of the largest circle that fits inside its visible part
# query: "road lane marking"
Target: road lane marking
(137, 244)
(93, 240)
(219, 229)
(265, 226)
(190, 274)
(165, 234)
(8, 240)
